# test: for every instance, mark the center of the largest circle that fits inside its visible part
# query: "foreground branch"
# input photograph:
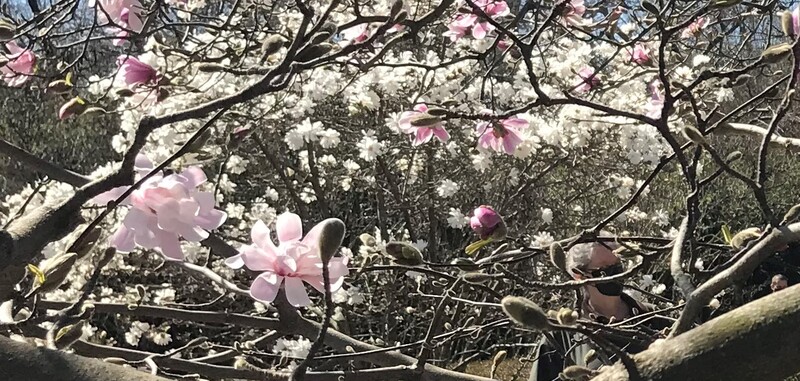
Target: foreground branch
(748, 343)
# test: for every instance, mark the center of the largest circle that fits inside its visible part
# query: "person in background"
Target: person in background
(779, 282)
(602, 302)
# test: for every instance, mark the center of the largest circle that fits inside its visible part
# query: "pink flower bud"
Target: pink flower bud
(75, 106)
(485, 222)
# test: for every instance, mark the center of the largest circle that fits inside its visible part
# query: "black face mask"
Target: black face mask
(610, 288)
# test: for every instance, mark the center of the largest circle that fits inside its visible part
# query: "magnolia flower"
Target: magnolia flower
(135, 72)
(20, 66)
(640, 55)
(356, 34)
(656, 101)
(422, 134)
(501, 136)
(125, 14)
(164, 209)
(295, 260)
(485, 222)
(694, 28)
(573, 13)
(587, 80)
(475, 25)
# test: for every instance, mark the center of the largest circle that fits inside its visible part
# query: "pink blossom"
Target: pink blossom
(295, 260)
(573, 13)
(356, 34)
(135, 72)
(422, 134)
(125, 14)
(639, 55)
(20, 66)
(472, 23)
(501, 136)
(164, 209)
(694, 28)
(485, 221)
(656, 101)
(587, 80)
(795, 17)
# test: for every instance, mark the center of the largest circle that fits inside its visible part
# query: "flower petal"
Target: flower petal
(296, 292)
(289, 227)
(265, 287)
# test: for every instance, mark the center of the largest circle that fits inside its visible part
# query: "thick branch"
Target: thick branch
(749, 343)
(20, 360)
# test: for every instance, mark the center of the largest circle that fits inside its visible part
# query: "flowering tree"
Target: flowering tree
(417, 161)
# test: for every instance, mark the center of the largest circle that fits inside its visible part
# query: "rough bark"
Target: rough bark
(754, 342)
(20, 361)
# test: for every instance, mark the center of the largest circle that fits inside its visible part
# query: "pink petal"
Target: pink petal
(260, 235)
(421, 107)
(169, 245)
(312, 237)
(257, 259)
(480, 30)
(195, 175)
(441, 134)
(515, 122)
(104, 198)
(289, 227)
(265, 287)
(296, 292)
(235, 262)
(211, 220)
(123, 240)
(423, 136)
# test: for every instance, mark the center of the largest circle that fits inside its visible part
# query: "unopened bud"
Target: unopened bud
(320, 37)
(557, 256)
(425, 120)
(477, 278)
(650, 7)
(404, 253)
(741, 238)
(465, 264)
(55, 272)
(776, 53)
(368, 240)
(397, 6)
(68, 335)
(436, 111)
(329, 27)
(741, 80)
(567, 316)
(733, 156)
(402, 16)
(125, 92)
(94, 110)
(58, 87)
(791, 215)
(787, 23)
(694, 135)
(74, 106)
(85, 246)
(115, 360)
(577, 372)
(7, 30)
(590, 356)
(525, 313)
(330, 238)
(312, 52)
(272, 44)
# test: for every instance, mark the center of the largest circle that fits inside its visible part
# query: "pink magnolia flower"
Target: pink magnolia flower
(639, 55)
(164, 209)
(422, 134)
(656, 101)
(295, 260)
(126, 14)
(475, 25)
(694, 28)
(485, 221)
(501, 136)
(135, 72)
(573, 13)
(20, 66)
(794, 16)
(587, 80)
(356, 34)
